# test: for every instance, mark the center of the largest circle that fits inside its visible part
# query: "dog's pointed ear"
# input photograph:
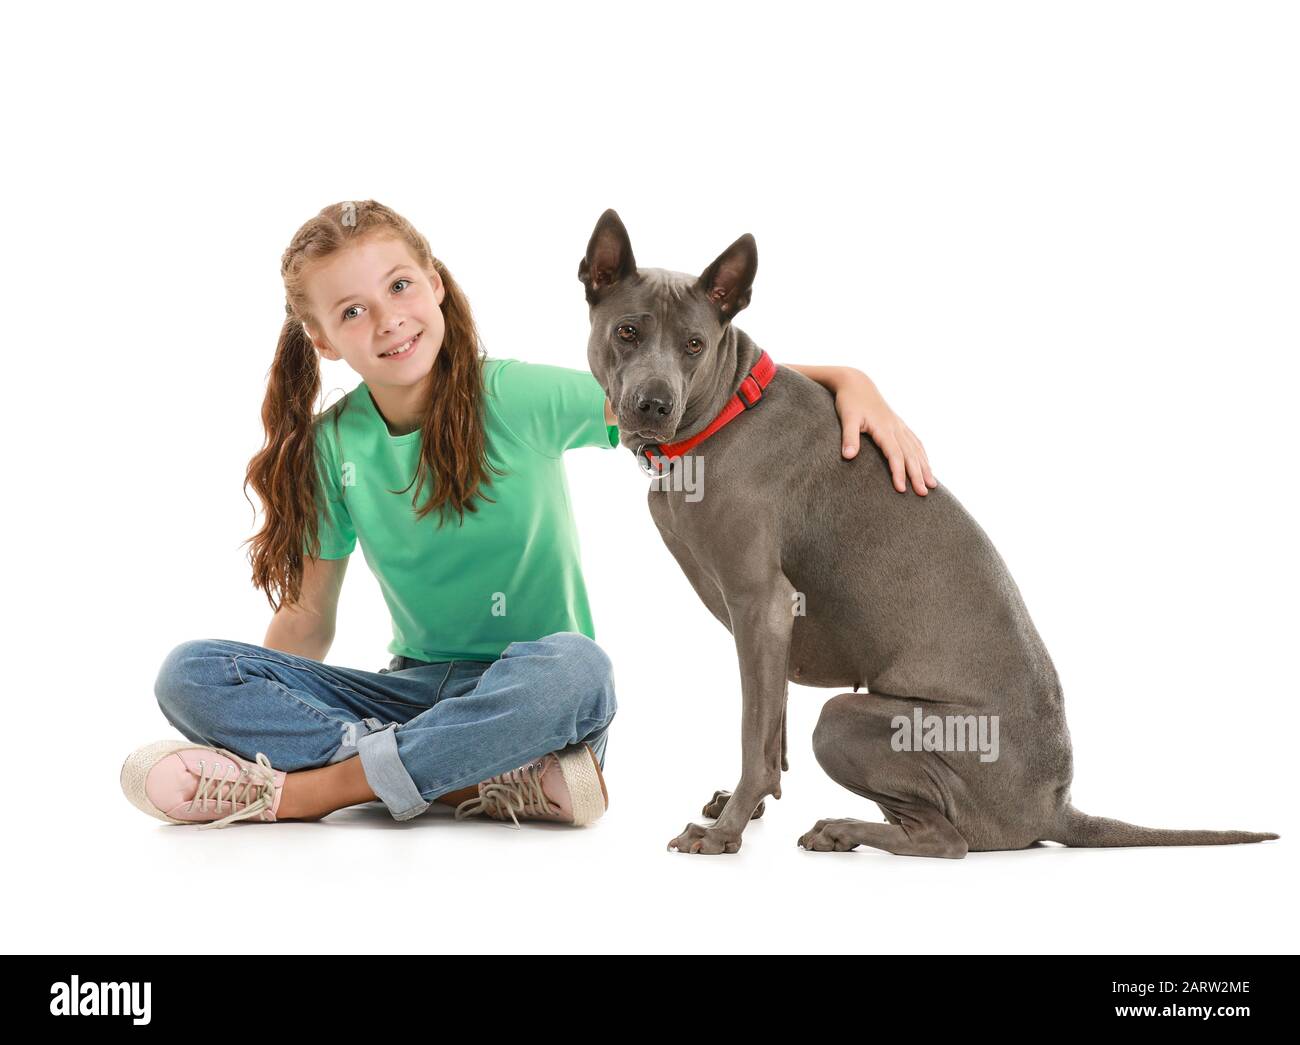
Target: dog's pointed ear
(609, 256)
(728, 281)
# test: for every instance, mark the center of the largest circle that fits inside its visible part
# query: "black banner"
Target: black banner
(336, 993)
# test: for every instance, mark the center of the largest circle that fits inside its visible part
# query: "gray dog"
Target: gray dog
(825, 576)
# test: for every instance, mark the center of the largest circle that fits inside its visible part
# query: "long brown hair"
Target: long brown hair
(453, 445)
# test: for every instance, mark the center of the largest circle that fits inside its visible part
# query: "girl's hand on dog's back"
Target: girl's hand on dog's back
(862, 408)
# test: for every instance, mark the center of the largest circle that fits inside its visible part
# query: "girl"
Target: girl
(497, 700)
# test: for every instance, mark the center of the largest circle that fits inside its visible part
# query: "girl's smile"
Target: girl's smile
(404, 350)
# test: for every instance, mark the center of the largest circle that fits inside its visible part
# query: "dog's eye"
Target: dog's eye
(627, 332)
(694, 345)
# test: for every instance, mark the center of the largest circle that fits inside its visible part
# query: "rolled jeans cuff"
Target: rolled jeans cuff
(386, 775)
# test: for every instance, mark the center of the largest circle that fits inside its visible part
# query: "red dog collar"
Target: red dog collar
(656, 459)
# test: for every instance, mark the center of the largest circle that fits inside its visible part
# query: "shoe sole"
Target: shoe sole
(586, 785)
(135, 771)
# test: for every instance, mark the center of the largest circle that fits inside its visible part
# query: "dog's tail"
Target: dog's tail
(1097, 832)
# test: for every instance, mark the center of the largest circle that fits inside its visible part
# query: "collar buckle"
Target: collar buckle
(750, 392)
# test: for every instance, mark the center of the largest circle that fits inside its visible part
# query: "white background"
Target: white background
(1061, 238)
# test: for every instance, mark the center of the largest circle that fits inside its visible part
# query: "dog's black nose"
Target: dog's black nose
(655, 400)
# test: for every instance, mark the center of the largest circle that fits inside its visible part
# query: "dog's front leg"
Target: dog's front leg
(761, 622)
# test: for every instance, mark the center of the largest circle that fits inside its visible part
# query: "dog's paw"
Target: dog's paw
(714, 807)
(707, 841)
(831, 836)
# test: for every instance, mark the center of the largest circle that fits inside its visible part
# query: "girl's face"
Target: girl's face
(371, 299)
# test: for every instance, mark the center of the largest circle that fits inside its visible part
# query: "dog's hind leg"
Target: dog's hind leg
(927, 833)
(852, 744)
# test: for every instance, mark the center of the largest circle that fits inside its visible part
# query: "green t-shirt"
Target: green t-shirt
(511, 571)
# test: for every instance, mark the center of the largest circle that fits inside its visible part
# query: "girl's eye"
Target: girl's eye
(627, 332)
(694, 345)
(352, 308)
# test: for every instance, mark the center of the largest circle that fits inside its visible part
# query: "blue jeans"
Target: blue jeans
(420, 729)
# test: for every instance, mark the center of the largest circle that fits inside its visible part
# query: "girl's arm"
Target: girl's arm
(863, 409)
(306, 628)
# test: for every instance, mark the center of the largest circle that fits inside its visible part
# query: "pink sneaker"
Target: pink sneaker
(187, 783)
(565, 786)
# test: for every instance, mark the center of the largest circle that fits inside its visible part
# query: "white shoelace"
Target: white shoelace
(253, 788)
(519, 790)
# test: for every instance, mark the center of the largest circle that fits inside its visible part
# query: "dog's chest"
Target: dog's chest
(668, 510)
(677, 506)
(679, 526)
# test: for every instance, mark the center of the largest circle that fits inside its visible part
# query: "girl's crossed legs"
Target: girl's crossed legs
(420, 733)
